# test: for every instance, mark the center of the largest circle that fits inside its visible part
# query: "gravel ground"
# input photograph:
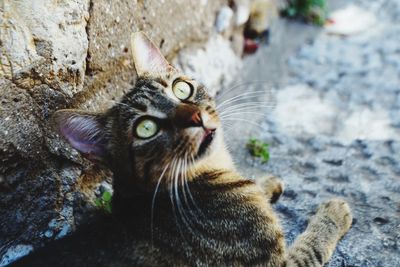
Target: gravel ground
(331, 115)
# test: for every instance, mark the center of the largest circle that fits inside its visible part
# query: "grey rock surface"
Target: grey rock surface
(330, 109)
(214, 65)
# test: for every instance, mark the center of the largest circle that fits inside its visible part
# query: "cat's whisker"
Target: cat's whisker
(244, 120)
(153, 201)
(190, 160)
(177, 200)
(175, 183)
(226, 125)
(256, 101)
(171, 196)
(203, 218)
(247, 95)
(184, 180)
(255, 109)
(179, 149)
(248, 105)
(244, 109)
(240, 116)
(261, 92)
(230, 121)
(242, 112)
(245, 99)
(237, 115)
(238, 87)
(238, 97)
(261, 107)
(170, 180)
(184, 187)
(184, 218)
(175, 187)
(190, 193)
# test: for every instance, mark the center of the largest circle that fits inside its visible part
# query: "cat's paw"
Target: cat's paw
(272, 186)
(339, 212)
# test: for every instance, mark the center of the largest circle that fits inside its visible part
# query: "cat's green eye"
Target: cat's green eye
(182, 90)
(146, 129)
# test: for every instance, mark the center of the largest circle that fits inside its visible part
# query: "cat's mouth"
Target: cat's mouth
(206, 141)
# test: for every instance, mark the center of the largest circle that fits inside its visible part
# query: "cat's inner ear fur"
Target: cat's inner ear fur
(84, 131)
(147, 57)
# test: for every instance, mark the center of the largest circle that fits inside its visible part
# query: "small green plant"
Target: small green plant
(258, 149)
(104, 202)
(311, 10)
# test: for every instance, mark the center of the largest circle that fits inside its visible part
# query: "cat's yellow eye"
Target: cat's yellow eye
(146, 129)
(182, 90)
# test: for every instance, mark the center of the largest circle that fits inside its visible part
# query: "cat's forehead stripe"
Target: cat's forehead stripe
(139, 106)
(162, 82)
(146, 99)
(152, 86)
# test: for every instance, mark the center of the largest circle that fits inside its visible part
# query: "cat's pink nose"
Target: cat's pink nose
(195, 119)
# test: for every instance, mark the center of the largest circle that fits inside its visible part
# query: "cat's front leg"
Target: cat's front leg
(272, 186)
(315, 246)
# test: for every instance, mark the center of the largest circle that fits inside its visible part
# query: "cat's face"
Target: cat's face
(166, 124)
(172, 114)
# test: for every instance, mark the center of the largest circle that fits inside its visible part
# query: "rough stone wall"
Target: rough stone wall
(76, 54)
(68, 54)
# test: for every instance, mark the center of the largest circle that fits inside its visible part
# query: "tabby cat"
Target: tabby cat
(178, 200)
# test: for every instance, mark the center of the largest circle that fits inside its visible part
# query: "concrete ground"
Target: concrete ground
(329, 107)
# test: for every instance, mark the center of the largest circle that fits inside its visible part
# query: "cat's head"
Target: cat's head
(165, 125)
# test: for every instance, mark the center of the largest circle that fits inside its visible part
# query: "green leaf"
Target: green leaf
(104, 202)
(258, 149)
(106, 196)
(314, 11)
(97, 202)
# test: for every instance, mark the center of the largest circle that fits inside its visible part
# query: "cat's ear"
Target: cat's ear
(147, 57)
(84, 131)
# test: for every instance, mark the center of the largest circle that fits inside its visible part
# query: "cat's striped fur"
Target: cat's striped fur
(172, 205)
